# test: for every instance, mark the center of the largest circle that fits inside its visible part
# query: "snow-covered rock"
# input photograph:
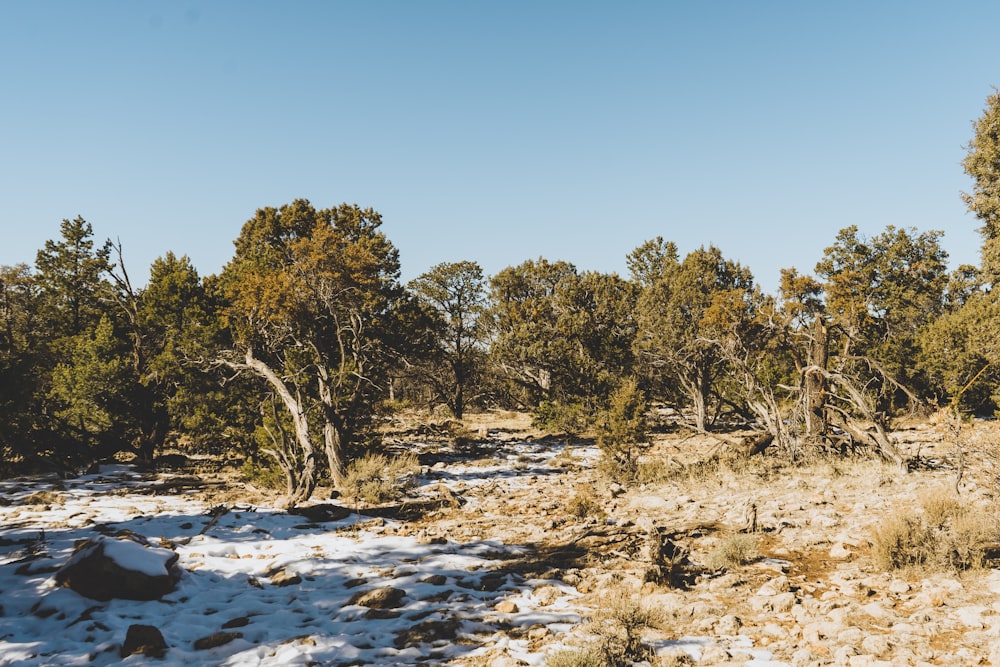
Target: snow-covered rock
(103, 568)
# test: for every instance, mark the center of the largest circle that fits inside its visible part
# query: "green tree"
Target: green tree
(562, 339)
(650, 261)
(982, 163)
(71, 275)
(314, 305)
(681, 316)
(455, 292)
(879, 293)
(20, 345)
(963, 347)
(92, 392)
(622, 424)
(526, 347)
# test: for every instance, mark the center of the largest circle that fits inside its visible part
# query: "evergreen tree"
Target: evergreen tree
(982, 163)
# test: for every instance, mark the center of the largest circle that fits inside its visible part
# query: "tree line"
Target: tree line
(308, 335)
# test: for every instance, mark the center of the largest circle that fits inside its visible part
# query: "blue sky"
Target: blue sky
(494, 131)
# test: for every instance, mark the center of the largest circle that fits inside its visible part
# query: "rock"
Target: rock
(103, 568)
(780, 603)
(538, 631)
(843, 655)
(492, 581)
(546, 595)
(851, 636)
(775, 586)
(876, 645)
(713, 655)
(322, 513)
(380, 598)
(803, 656)
(506, 607)
(238, 622)
(840, 552)
(729, 625)
(427, 632)
(285, 578)
(435, 580)
(144, 640)
(214, 640)
(898, 586)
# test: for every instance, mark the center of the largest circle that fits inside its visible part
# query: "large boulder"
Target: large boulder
(103, 567)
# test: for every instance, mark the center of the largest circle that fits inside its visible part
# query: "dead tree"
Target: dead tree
(814, 385)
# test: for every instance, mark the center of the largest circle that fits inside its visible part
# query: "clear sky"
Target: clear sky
(494, 131)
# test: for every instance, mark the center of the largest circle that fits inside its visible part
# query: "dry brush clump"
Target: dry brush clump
(618, 643)
(584, 503)
(732, 551)
(377, 478)
(941, 533)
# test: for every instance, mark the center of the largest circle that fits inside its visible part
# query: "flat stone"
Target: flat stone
(215, 640)
(379, 598)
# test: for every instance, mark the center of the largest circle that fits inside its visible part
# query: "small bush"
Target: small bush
(946, 535)
(377, 479)
(618, 643)
(584, 504)
(901, 540)
(264, 474)
(657, 470)
(733, 551)
(580, 657)
(940, 505)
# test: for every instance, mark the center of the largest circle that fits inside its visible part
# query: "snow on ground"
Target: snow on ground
(447, 612)
(233, 567)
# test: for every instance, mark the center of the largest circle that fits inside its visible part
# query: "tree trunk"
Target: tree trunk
(306, 483)
(815, 385)
(334, 454)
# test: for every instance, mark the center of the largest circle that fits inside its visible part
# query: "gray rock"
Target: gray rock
(103, 568)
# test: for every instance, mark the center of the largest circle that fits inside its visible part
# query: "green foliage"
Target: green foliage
(71, 277)
(455, 295)
(92, 391)
(21, 362)
(622, 425)
(558, 335)
(316, 312)
(683, 316)
(982, 163)
(881, 291)
(264, 474)
(651, 261)
(957, 347)
(569, 419)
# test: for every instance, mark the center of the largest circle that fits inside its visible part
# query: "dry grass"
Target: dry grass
(617, 627)
(734, 550)
(944, 535)
(376, 478)
(939, 505)
(584, 503)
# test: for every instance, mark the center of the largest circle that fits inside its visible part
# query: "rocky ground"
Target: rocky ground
(813, 593)
(713, 560)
